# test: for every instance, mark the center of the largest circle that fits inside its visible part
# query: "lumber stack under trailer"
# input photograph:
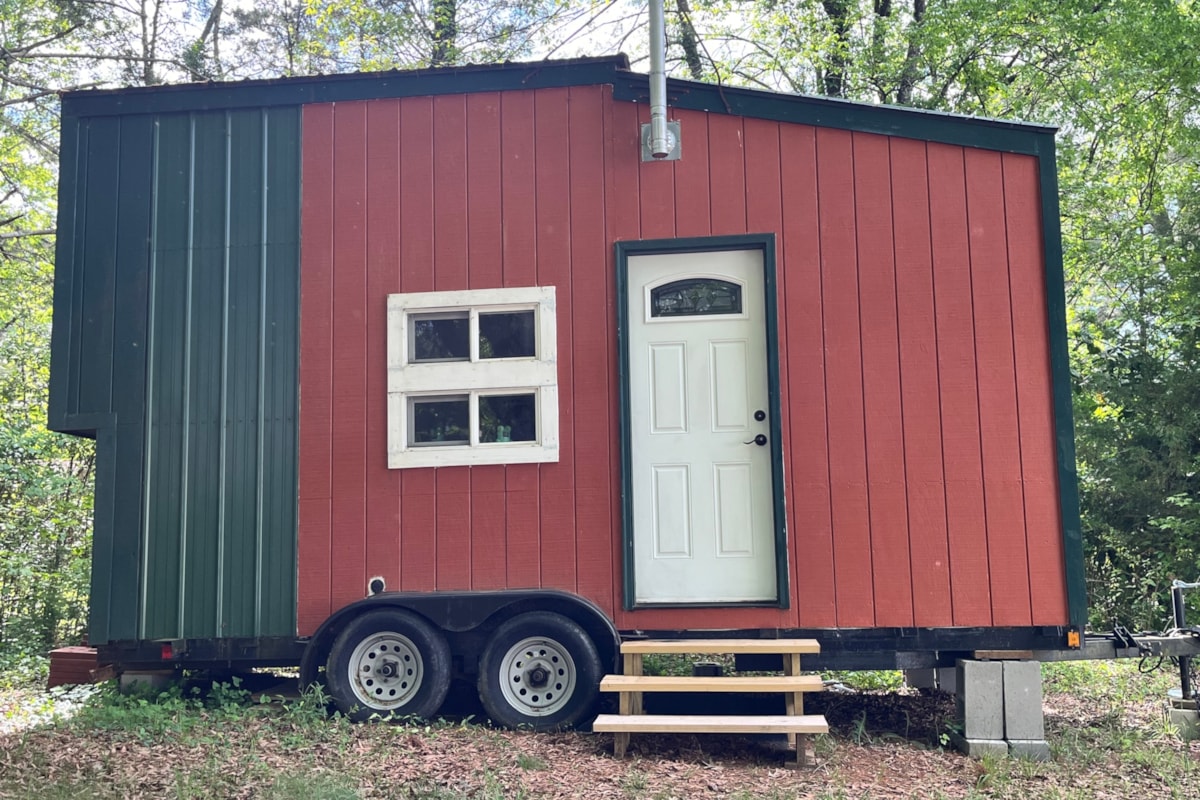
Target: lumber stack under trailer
(75, 665)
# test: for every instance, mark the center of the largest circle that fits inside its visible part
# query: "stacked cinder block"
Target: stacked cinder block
(1000, 707)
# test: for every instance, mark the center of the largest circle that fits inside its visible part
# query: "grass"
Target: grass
(1105, 726)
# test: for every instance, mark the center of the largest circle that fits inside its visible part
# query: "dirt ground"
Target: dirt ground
(887, 745)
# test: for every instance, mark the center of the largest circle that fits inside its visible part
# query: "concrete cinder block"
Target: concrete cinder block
(1023, 719)
(1186, 722)
(150, 680)
(1033, 749)
(947, 679)
(978, 748)
(980, 699)
(921, 678)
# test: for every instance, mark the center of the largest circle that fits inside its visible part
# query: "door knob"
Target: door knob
(759, 440)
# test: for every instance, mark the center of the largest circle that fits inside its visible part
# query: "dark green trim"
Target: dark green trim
(934, 126)
(764, 242)
(58, 408)
(1060, 367)
(336, 88)
(771, 300)
(826, 112)
(623, 251)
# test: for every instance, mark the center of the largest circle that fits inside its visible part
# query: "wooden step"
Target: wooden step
(768, 646)
(706, 723)
(667, 683)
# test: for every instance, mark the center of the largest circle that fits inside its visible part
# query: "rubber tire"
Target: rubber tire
(568, 636)
(427, 640)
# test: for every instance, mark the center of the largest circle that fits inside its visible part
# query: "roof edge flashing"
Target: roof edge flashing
(344, 86)
(628, 86)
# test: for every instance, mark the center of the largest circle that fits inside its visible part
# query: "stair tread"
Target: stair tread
(690, 683)
(721, 646)
(708, 723)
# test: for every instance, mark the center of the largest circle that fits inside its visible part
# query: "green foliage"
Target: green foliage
(886, 680)
(314, 786)
(23, 671)
(1111, 684)
(45, 479)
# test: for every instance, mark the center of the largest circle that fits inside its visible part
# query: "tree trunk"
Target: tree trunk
(908, 78)
(445, 32)
(834, 83)
(689, 41)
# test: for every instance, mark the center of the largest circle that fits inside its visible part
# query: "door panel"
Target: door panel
(672, 511)
(669, 391)
(702, 489)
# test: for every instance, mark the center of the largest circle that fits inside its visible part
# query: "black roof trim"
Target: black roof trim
(1019, 137)
(826, 112)
(351, 86)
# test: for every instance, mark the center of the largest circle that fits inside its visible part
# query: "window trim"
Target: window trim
(537, 375)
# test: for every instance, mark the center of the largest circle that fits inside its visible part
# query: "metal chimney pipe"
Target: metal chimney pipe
(659, 146)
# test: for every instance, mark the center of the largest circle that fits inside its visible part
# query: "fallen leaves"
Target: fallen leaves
(883, 746)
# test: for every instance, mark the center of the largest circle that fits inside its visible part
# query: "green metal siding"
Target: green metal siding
(175, 345)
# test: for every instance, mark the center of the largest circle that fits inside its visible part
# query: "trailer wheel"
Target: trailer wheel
(388, 662)
(540, 671)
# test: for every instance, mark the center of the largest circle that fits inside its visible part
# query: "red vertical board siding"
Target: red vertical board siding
(622, 216)
(348, 554)
(593, 372)
(692, 186)
(316, 357)
(519, 256)
(1035, 399)
(382, 215)
(924, 477)
(844, 381)
(485, 269)
(485, 250)
(451, 228)
(702, 619)
(656, 182)
(727, 175)
(623, 197)
(763, 187)
(764, 213)
(886, 497)
(958, 388)
(811, 538)
(1003, 506)
(552, 131)
(489, 506)
(451, 231)
(418, 513)
(453, 528)
(913, 346)
(522, 517)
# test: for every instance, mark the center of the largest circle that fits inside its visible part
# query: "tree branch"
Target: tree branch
(29, 233)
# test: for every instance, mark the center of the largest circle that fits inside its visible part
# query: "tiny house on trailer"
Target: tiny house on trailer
(401, 376)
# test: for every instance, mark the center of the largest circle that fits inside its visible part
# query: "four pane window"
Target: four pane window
(472, 377)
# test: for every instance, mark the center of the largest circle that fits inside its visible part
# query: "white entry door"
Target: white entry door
(700, 466)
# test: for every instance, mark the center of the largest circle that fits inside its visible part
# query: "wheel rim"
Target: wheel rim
(537, 676)
(386, 671)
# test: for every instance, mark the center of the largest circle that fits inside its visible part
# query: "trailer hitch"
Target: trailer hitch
(1127, 641)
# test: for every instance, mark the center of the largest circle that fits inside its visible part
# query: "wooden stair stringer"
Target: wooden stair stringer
(792, 685)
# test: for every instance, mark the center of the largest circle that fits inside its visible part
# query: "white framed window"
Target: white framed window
(472, 377)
